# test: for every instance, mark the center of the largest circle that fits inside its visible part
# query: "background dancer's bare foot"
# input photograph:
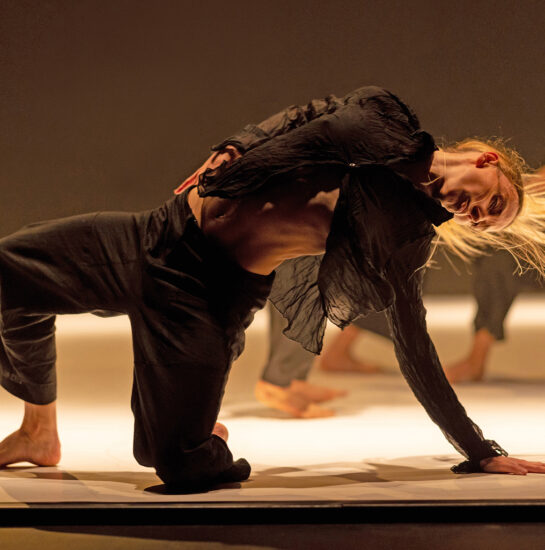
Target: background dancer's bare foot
(298, 399)
(36, 441)
(313, 392)
(464, 371)
(471, 369)
(337, 357)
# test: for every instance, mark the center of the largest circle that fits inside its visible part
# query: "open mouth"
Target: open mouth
(460, 205)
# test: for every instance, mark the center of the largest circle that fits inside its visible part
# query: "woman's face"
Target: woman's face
(483, 198)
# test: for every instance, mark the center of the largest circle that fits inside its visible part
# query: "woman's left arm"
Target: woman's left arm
(281, 123)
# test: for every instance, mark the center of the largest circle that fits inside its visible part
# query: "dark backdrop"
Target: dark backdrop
(107, 104)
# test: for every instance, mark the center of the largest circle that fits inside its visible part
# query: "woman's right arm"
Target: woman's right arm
(420, 365)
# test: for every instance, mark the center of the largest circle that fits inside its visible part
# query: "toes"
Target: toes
(313, 393)
(314, 411)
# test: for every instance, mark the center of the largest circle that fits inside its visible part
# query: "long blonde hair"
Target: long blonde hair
(525, 237)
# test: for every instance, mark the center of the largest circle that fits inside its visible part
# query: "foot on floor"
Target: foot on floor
(299, 399)
(42, 448)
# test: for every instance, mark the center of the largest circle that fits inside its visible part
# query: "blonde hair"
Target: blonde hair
(524, 238)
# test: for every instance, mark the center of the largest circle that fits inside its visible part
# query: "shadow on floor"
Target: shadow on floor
(304, 477)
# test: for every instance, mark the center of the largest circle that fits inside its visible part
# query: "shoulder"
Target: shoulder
(365, 92)
(370, 93)
(383, 102)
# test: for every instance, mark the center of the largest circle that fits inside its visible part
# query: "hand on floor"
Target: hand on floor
(510, 465)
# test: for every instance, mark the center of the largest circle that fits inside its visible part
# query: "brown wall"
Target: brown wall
(106, 104)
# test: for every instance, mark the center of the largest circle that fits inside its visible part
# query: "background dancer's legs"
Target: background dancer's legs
(283, 385)
(338, 355)
(495, 287)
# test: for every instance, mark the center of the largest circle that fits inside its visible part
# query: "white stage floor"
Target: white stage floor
(381, 447)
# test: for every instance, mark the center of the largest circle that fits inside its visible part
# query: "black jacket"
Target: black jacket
(380, 237)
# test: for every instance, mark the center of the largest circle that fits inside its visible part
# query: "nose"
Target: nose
(475, 214)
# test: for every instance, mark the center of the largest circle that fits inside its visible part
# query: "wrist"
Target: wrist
(476, 463)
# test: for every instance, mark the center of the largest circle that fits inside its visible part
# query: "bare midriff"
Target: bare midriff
(289, 218)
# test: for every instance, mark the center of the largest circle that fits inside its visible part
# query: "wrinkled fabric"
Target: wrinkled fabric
(375, 141)
(380, 235)
(188, 305)
(495, 287)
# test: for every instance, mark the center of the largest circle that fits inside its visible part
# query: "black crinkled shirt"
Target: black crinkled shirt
(380, 237)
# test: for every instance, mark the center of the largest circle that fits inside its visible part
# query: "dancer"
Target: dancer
(354, 179)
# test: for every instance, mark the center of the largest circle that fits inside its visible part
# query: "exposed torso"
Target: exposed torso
(289, 218)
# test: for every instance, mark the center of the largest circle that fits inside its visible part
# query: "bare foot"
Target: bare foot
(294, 399)
(221, 431)
(316, 394)
(347, 364)
(42, 448)
(472, 368)
(464, 371)
(336, 356)
(36, 441)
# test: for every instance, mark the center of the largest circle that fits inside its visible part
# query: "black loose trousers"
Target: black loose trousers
(188, 306)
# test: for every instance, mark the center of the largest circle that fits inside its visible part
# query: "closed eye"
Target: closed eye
(496, 205)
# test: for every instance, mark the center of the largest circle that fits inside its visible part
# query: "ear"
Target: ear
(486, 158)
